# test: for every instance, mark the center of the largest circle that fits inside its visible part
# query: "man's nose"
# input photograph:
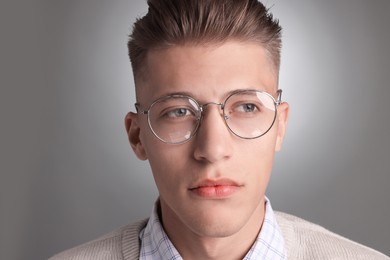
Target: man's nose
(213, 139)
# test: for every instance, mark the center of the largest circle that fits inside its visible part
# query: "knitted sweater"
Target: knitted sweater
(304, 240)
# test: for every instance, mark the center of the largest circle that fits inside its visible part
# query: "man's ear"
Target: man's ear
(133, 132)
(282, 119)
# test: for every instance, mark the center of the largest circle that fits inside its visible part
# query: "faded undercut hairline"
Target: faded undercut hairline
(141, 74)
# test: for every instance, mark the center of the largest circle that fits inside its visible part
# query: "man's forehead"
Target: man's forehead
(184, 68)
(204, 48)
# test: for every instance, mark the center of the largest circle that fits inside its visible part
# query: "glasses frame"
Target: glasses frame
(146, 112)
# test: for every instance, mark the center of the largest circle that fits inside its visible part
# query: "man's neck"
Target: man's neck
(194, 246)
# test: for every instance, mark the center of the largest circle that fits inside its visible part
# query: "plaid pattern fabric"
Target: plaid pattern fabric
(269, 245)
(270, 242)
(155, 243)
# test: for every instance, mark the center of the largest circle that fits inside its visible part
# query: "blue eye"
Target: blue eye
(247, 108)
(179, 112)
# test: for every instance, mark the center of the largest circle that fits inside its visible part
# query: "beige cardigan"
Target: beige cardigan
(304, 240)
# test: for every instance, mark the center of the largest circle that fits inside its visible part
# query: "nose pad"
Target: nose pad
(212, 143)
(203, 107)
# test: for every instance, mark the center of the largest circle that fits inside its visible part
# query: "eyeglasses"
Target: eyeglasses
(248, 114)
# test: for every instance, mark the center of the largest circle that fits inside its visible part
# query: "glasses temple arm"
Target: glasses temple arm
(279, 98)
(138, 109)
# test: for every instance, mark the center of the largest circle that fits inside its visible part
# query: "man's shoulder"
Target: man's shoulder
(122, 243)
(306, 240)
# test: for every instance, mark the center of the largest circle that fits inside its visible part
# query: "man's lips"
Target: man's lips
(222, 188)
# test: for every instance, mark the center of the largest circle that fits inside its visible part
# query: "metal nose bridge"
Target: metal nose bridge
(222, 105)
(202, 107)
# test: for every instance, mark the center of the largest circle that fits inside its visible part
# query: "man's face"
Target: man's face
(213, 185)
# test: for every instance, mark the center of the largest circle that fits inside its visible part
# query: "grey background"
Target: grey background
(68, 174)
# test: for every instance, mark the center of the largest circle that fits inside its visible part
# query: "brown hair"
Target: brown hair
(192, 22)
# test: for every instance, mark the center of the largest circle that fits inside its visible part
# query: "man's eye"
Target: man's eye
(246, 108)
(179, 112)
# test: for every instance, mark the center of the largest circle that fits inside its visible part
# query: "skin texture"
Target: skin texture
(209, 227)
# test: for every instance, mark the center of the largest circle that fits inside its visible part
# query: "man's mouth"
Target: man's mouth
(215, 189)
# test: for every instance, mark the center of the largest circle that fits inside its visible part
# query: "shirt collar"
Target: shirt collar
(269, 244)
(155, 243)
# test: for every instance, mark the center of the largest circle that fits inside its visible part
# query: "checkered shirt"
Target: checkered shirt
(269, 244)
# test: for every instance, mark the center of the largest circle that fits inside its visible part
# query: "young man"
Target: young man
(209, 120)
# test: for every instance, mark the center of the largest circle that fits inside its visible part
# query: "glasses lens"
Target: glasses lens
(174, 119)
(250, 114)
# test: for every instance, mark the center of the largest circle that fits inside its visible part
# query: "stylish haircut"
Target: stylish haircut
(198, 22)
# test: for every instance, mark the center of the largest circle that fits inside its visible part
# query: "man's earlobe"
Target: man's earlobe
(133, 131)
(282, 119)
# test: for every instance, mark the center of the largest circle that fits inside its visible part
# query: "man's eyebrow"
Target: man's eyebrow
(192, 94)
(177, 93)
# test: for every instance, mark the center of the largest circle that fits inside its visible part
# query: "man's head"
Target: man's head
(213, 185)
(189, 23)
